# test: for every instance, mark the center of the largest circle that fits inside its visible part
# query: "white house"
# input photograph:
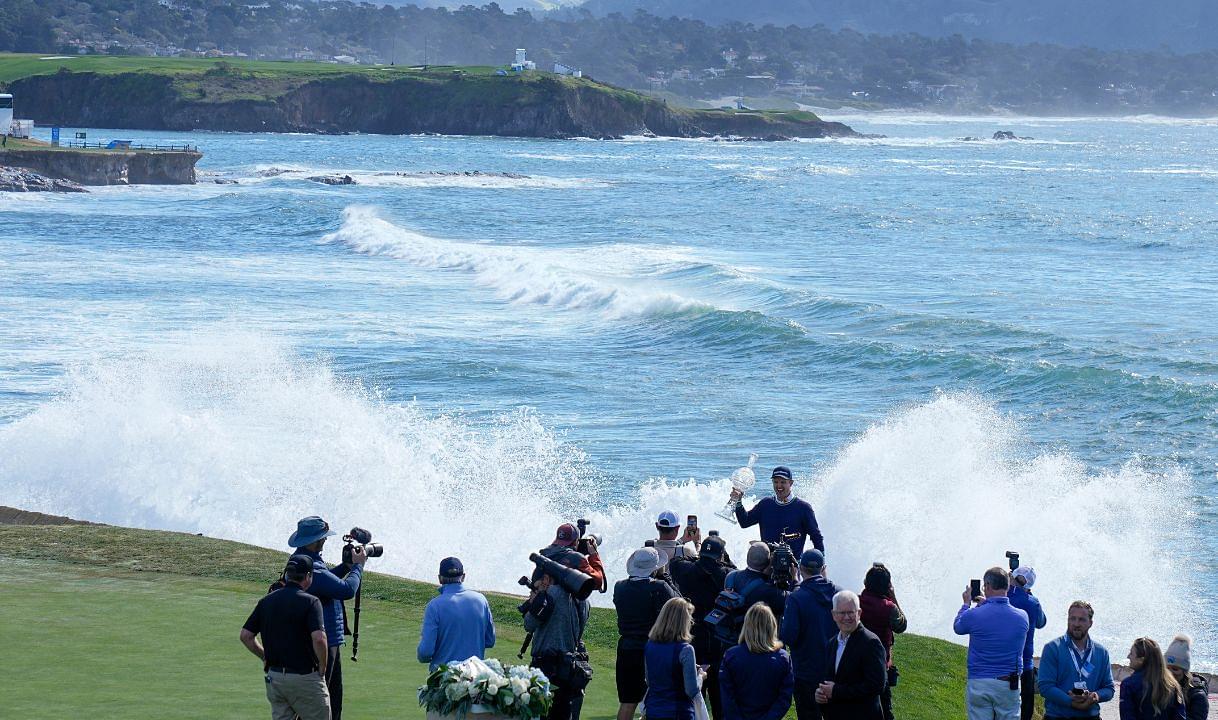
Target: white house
(6, 114)
(521, 63)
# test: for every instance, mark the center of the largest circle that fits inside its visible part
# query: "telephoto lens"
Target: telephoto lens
(374, 550)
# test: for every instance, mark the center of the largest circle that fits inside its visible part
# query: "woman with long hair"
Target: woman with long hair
(1151, 692)
(756, 680)
(883, 616)
(671, 668)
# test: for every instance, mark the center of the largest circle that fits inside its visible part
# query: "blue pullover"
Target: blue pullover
(332, 591)
(755, 686)
(996, 633)
(795, 515)
(1058, 673)
(457, 625)
(1021, 598)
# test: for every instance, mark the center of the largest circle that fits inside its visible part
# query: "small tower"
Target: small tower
(520, 56)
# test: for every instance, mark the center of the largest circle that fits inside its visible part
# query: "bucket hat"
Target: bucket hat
(309, 530)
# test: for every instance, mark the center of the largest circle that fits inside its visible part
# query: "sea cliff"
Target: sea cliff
(449, 101)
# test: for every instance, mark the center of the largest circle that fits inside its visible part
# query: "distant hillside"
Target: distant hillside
(1182, 25)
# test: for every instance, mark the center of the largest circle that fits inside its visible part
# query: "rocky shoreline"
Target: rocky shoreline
(15, 179)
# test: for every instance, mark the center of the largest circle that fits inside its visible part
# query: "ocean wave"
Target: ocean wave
(623, 282)
(236, 436)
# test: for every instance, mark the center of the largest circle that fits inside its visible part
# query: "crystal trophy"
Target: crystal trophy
(743, 480)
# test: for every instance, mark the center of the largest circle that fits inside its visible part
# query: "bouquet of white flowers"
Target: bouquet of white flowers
(515, 691)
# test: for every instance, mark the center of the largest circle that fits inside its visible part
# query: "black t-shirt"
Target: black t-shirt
(286, 619)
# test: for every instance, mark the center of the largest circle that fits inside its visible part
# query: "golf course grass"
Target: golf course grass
(121, 623)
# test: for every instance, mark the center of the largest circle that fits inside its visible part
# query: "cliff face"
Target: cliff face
(454, 105)
(109, 167)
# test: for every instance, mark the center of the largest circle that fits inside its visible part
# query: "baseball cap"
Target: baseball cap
(567, 535)
(782, 471)
(451, 567)
(712, 547)
(298, 565)
(812, 559)
(668, 519)
(1027, 573)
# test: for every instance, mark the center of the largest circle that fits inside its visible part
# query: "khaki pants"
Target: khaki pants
(293, 695)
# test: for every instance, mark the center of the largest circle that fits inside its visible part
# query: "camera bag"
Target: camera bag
(730, 606)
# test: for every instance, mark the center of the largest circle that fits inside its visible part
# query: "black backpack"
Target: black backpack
(730, 607)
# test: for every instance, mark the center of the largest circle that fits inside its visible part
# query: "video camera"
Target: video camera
(364, 540)
(783, 562)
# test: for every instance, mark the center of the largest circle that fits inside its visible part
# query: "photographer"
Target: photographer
(557, 620)
(669, 527)
(331, 588)
(702, 583)
(806, 628)
(1020, 594)
(638, 600)
(996, 633)
(563, 550)
(782, 513)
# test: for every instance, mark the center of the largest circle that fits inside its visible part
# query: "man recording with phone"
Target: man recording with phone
(1075, 671)
(669, 527)
(995, 649)
(331, 587)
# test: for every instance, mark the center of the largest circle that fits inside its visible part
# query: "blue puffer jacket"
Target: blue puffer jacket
(332, 591)
(807, 625)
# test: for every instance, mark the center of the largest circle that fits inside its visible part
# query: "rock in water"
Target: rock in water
(334, 179)
(20, 180)
(1004, 135)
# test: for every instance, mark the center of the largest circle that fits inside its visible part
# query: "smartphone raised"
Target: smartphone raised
(691, 521)
(974, 588)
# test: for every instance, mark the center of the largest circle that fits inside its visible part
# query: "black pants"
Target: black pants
(567, 703)
(334, 682)
(886, 701)
(710, 689)
(805, 700)
(1027, 694)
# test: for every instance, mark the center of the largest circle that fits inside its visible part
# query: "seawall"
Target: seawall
(108, 167)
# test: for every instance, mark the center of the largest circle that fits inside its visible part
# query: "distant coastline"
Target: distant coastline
(249, 96)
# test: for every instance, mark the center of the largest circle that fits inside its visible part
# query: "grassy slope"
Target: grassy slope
(143, 624)
(209, 80)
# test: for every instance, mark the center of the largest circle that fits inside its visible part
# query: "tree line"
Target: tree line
(687, 57)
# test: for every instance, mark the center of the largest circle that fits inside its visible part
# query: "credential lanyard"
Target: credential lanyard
(1082, 662)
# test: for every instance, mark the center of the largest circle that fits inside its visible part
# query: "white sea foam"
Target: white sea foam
(421, 179)
(616, 281)
(235, 436)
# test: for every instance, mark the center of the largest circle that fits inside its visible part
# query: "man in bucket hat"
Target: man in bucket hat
(331, 587)
(638, 600)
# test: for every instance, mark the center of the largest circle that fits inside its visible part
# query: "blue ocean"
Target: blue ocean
(960, 347)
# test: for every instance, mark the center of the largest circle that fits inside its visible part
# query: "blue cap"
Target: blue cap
(668, 519)
(812, 558)
(450, 567)
(309, 530)
(782, 471)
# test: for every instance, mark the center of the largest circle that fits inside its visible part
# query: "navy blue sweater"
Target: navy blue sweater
(796, 516)
(1135, 706)
(755, 686)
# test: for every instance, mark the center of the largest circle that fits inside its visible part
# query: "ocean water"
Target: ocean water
(961, 348)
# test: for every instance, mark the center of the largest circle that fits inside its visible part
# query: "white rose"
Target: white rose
(519, 687)
(454, 691)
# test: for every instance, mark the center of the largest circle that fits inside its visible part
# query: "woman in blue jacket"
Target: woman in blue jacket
(755, 677)
(1150, 693)
(671, 669)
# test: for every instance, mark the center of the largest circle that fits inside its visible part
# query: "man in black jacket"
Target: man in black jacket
(700, 581)
(638, 600)
(857, 664)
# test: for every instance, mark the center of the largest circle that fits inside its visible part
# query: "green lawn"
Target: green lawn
(115, 622)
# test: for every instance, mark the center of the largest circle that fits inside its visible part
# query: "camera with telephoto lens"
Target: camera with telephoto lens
(1012, 559)
(583, 546)
(360, 538)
